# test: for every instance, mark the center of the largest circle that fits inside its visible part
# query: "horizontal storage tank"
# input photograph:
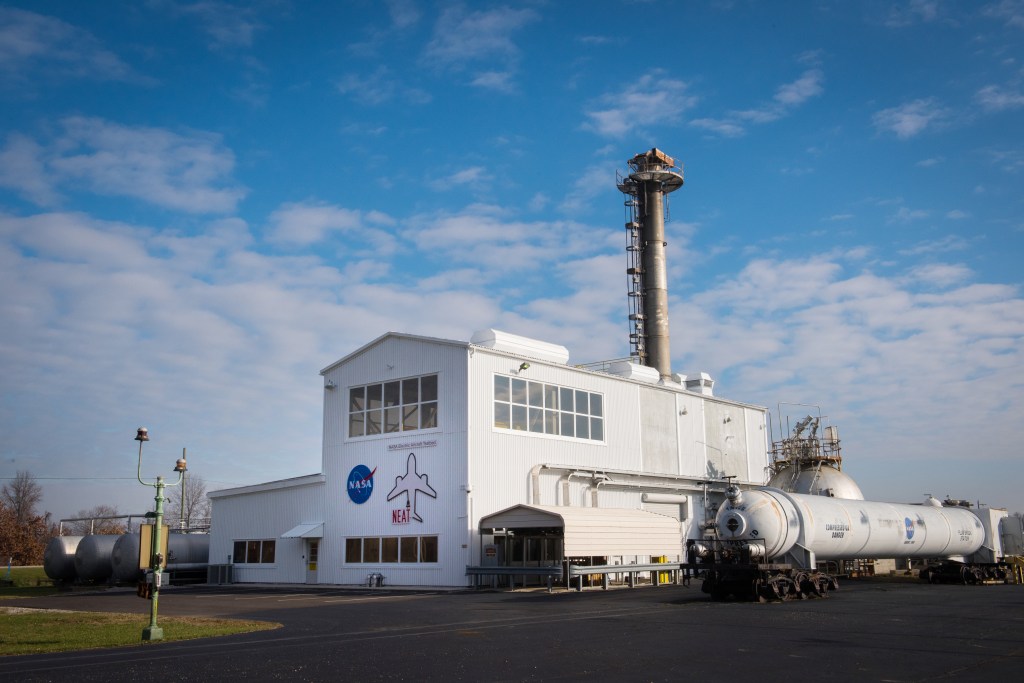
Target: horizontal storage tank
(188, 551)
(59, 558)
(838, 529)
(92, 558)
(184, 551)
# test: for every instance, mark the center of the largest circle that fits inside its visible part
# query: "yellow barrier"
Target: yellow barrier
(1016, 563)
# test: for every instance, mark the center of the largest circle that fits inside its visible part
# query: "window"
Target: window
(391, 549)
(390, 407)
(524, 406)
(254, 552)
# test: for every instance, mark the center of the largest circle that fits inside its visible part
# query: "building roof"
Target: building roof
(396, 335)
(306, 480)
(596, 532)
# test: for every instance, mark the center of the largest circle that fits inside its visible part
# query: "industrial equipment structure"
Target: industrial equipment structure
(443, 459)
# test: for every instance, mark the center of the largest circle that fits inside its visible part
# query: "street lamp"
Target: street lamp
(156, 559)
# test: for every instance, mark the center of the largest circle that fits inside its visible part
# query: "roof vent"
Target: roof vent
(700, 383)
(641, 373)
(520, 346)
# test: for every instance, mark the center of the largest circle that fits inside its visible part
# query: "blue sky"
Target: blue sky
(202, 204)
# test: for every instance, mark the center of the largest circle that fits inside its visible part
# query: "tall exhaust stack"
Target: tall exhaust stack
(653, 175)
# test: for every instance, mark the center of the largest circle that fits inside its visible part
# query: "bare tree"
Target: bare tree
(92, 522)
(196, 509)
(21, 495)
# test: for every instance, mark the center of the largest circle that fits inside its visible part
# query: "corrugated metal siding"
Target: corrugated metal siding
(658, 425)
(757, 445)
(440, 454)
(726, 440)
(690, 419)
(599, 532)
(263, 516)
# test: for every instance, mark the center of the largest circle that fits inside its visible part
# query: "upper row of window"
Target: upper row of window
(519, 404)
(396, 406)
(522, 405)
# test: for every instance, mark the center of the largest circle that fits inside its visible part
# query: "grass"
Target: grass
(26, 582)
(37, 631)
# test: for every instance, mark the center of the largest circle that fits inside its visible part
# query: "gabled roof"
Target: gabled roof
(596, 532)
(293, 482)
(395, 335)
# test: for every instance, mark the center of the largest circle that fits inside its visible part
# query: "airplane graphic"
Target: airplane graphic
(411, 483)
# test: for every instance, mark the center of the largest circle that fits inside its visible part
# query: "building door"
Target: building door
(312, 553)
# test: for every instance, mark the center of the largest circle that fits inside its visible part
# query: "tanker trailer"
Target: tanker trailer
(770, 540)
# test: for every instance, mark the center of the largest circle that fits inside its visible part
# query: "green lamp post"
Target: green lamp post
(154, 632)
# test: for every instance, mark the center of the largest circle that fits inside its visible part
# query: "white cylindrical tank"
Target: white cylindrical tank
(824, 481)
(92, 557)
(59, 557)
(837, 529)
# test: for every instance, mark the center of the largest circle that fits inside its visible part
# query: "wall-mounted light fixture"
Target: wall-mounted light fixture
(524, 366)
(329, 385)
(684, 411)
(727, 419)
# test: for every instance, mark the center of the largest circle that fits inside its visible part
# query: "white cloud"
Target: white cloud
(187, 172)
(461, 37)
(589, 184)
(34, 46)
(499, 81)
(994, 98)
(23, 169)
(720, 127)
(787, 97)
(653, 99)
(937, 246)
(911, 12)
(904, 215)
(1011, 11)
(802, 89)
(474, 175)
(900, 370)
(912, 118)
(310, 222)
(942, 275)
(404, 13)
(380, 87)
(228, 26)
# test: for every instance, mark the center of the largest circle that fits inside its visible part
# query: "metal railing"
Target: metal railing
(551, 573)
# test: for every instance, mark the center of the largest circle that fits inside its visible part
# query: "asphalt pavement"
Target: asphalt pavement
(866, 631)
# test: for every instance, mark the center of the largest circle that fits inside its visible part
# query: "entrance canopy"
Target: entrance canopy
(311, 530)
(596, 532)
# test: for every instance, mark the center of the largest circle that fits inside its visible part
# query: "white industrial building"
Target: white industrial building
(439, 454)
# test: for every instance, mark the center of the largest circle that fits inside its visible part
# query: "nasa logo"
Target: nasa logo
(910, 527)
(360, 483)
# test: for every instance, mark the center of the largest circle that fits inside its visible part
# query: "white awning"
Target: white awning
(312, 530)
(596, 532)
